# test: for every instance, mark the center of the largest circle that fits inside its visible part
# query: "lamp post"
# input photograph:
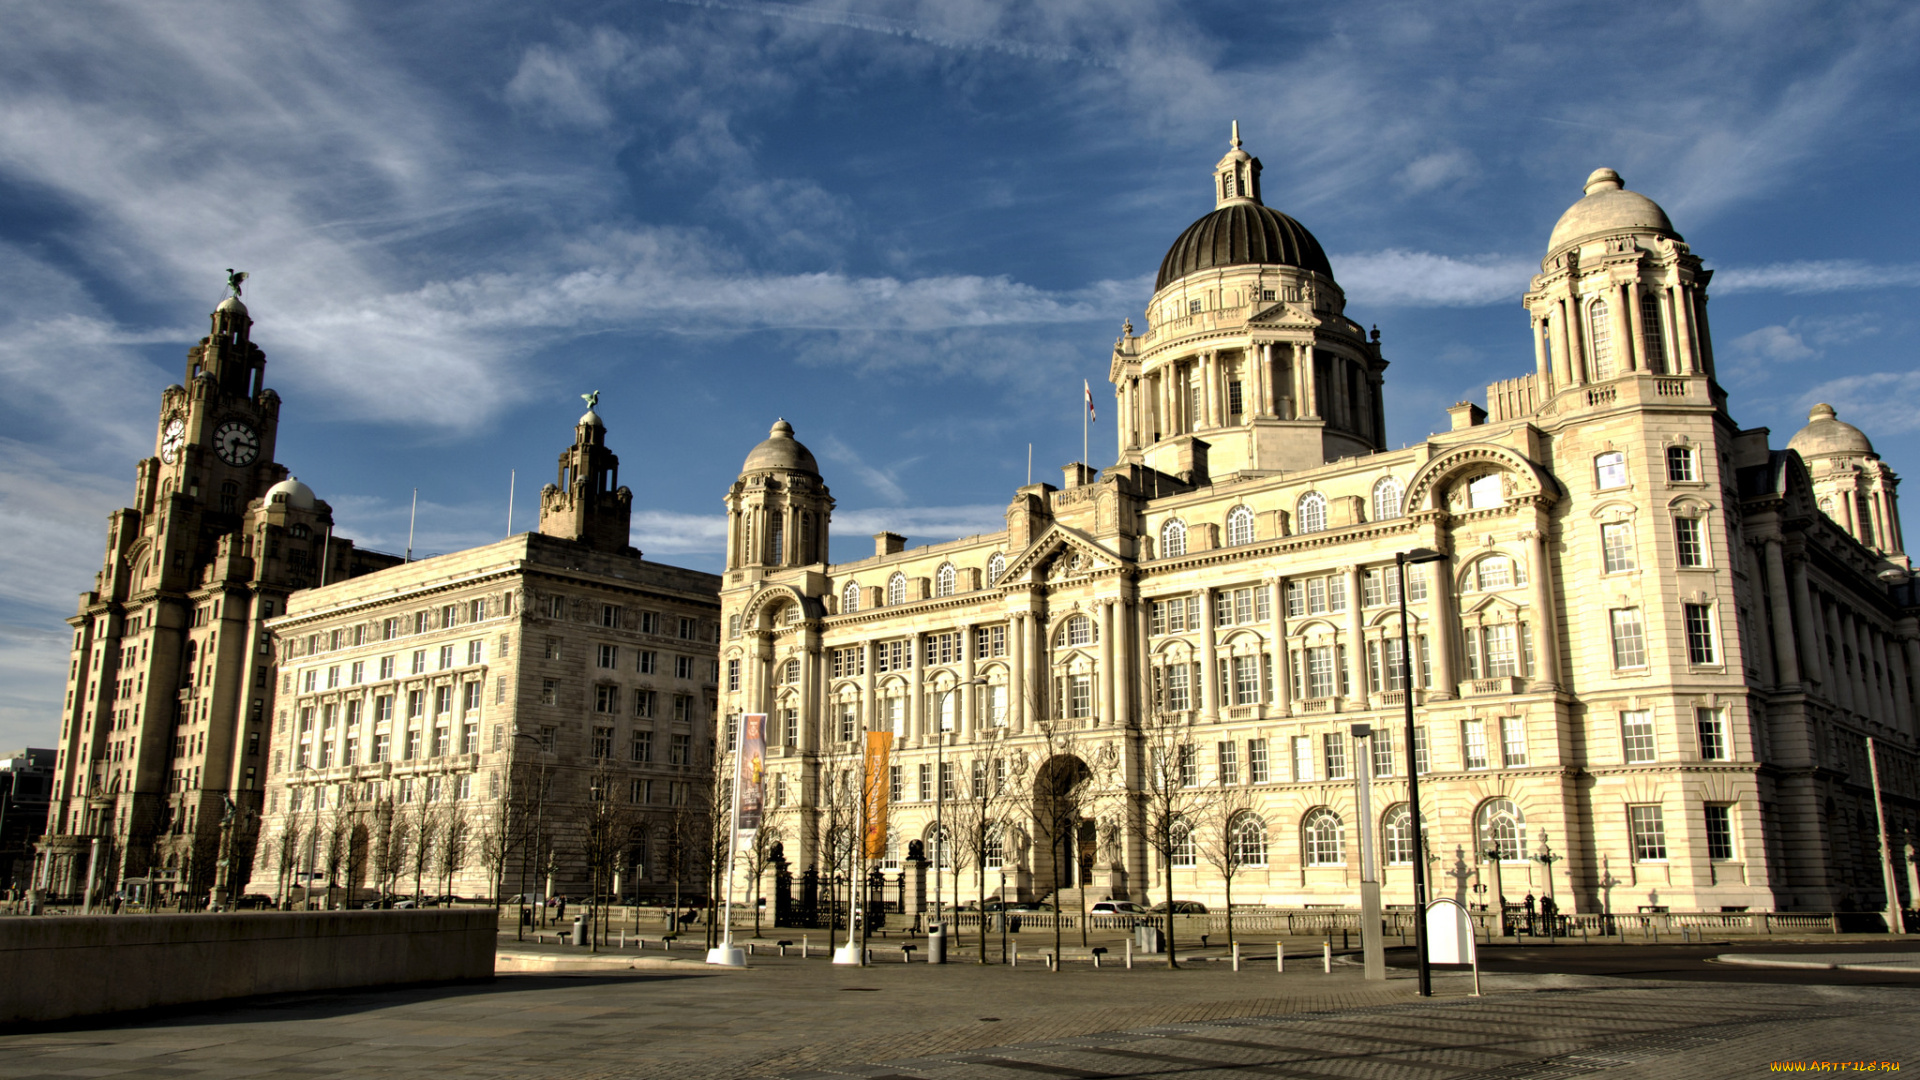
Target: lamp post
(1547, 858)
(1372, 949)
(1401, 560)
(939, 807)
(1493, 854)
(1607, 882)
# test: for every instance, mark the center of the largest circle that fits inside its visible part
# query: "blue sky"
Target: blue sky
(910, 228)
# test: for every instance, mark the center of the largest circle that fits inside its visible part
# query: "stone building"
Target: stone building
(493, 700)
(160, 763)
(26, 787)
(1645, 670)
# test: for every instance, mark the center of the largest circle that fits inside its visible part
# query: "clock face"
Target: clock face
(236, 443)
(172, 438)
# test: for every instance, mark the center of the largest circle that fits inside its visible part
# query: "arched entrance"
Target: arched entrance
(1064, 833)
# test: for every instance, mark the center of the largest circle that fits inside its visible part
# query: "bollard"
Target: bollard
(906, 955)
(803, 946)
(1344, 942)
(1236, 956)
(783, 943)
(1280, 957)
(1326, 956)
(1129, 954)
(1016, 957)
(623, 939)
(1097, 954)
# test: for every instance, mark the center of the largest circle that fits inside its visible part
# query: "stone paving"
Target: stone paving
(808, 1019)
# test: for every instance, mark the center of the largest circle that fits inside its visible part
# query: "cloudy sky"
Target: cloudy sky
(911, 228)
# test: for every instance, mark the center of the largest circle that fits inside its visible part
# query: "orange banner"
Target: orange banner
(878, 787)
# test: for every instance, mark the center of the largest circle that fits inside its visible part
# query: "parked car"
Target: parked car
(1117, 907)
(1181, 907)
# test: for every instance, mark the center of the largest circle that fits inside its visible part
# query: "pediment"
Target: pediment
(1061, 553)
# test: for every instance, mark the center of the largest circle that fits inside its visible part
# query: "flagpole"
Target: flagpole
(412, 515)
(512, 475)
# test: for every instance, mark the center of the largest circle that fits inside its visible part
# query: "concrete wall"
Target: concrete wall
(63, 967)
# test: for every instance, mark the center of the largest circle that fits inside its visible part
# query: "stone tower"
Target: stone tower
(587, 504)
(1855, 488)
(778, 511)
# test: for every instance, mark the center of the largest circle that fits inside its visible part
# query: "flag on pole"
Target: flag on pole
(750, 779)
(1088, 387)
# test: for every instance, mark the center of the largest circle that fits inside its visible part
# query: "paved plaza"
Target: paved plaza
(809, 1019)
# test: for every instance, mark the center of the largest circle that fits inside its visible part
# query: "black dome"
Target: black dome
(1242, 234)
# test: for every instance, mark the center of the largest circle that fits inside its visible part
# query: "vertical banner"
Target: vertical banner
(879, 753)
(750, 776)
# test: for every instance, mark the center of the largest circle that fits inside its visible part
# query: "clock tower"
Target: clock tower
(169, 705)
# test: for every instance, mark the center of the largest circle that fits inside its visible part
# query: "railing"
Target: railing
(1602, 395)
(1670, 387)
(1498, 686)
(1320, 705)
(1486, 923)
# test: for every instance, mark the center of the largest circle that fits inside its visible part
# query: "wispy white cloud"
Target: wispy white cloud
(1816, 276)
(1880, 402)
(922, 524)
(934, 31)
(1400, 278)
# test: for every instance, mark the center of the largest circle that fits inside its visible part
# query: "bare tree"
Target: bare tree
(1227, 811)
(337, 840)
(495, 842)
(450, 845)
(423, 819)
(604, 826)
(1173, 800)
(980, 815)
(758, 857)
(1063, 788)
(286, 856)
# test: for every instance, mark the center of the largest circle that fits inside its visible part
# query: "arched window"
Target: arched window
(850, 597)
(1323, 839)
(996, 567)
(1396, 834)
(896, 589)
(1239, 526)
(943, 580)
(1495, 572)
(937, 838)
(1180, 850)
(790, 671)
(1826, 506)
(1652, 342)
(1249, 840)
(1600, 339)
(1077, 630)
(1313, 512)
(1502, 825)
(1387, 493)
(733, 626)
(1173, 539)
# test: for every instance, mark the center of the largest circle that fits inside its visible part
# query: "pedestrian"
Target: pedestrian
(563, 909)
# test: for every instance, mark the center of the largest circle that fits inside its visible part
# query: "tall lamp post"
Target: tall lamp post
(938, 954)
(1494, 854)
(1547, 858)
(1402, 560)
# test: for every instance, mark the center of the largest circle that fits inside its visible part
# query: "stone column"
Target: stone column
(1562, 348)
(1282, 678)
(1546, 629)
(1309, 383)
(1040, 660)
(1542, 365)
(1887, 696)
(1440, 629)
(758, 672)
(1580, 350)
(1623, 348)
(1685, 361)
(1124, 650)
(1209, 660)
(810, 691)
(967, 713)
(1356, 638)
(1643, 362)
(1842, 690)
(1016, 675)
(1106, 682)
(1260, 358)
(1783, 647)
(1911, 642)
(916, 692)
(1210, 371)
(1803, 621)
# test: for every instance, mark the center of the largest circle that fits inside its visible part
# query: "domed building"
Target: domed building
(1645, 668)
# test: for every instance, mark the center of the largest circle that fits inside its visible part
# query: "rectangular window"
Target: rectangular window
(924, 792)
(383, 708)
(416, 704)
(1422, 755)
(548, 736)
(649, 622)
(994, 704)
(1719, 832)
(386, 667)
(1334, 746)
(1680, 468)
(643, 703)
(470, 697)
(1636, 737)
(1616, 546)
(1610, 470)
(1382, 751)
(1257, 772)
(549, 692)
(1189, 762)
(733, 676)
(1302, 759)
(1229, 759)
(1629, 638)
(683, 667)
(947, 790)
(1502, 660)
(647, 663)
(1320, 672)
(1246, 680)
(790, 727)
(1701, 647)
(1513, 740)
(470, 739)
(446, 657)
(476, 651)
(413, 744)
(609, 657)
(1474, 744)
(686, 629)
(610, 616)
(642, 748)
(896, 783)
(419, 661)
(357, 674)
(603, 742)
(988, 642)
(382, 748)
(679, 749)
(1712, 724)
(1179, 695)
(389, 629)
(1689, 541)
(682, 707)
(1649, 833)
(1080, 697)
(606, 699)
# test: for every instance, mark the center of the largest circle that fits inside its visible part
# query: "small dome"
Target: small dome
(233, 304)
(1827, 436)
(1608, 207)
(1242, 233)
(292, 492)
(781, 451)
(590, 419)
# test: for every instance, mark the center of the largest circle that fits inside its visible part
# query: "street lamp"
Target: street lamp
(1401, 560)
(940, 806)
(1494, 854)
(1547, 858)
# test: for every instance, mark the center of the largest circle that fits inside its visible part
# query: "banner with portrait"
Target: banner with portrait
(750, 774)
(878, 780)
